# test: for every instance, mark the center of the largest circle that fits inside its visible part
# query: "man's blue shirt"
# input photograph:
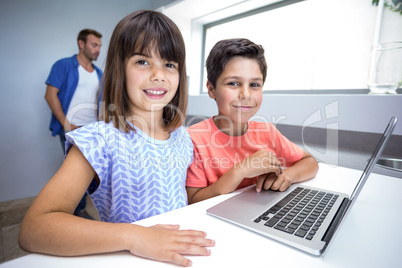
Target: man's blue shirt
(64, 76)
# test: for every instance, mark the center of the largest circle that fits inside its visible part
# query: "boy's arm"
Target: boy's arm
(259, 163)
(304, 169)
(225, 184)
(49, 226)
(270, 176)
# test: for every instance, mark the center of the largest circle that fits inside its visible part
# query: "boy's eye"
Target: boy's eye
(255, 85)
(233, 84)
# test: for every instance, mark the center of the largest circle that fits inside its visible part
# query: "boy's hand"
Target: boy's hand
(274, 182)
(168, 243)
(259, 163)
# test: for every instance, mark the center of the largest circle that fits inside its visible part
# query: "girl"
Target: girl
(132, 163)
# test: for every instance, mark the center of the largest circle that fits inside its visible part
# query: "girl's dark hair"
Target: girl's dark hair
(225, 50)
(137, 33)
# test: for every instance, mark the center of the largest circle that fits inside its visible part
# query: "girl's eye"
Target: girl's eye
(170, 65)
(141, 62)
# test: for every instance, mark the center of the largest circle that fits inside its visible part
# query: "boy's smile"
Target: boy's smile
(238, 94)
(244, 108)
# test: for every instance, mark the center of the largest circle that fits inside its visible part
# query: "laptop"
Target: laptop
(303, 217)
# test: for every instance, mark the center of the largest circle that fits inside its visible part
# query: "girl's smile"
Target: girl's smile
(155, 93)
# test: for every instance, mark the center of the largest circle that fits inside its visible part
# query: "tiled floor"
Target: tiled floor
(11, 215)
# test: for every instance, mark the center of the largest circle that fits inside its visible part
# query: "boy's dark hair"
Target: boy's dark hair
(83, 34)
(225, 50)
(136, 34)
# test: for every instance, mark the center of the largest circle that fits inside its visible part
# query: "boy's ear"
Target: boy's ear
(211, 90)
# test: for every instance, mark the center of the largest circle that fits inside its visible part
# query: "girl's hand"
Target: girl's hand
(168, 243)
(273, 181)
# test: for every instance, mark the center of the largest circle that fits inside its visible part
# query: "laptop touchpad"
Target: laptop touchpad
(261, 198)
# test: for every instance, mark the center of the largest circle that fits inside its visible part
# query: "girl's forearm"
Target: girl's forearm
(63, 234)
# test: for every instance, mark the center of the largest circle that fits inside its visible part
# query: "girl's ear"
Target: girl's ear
(211, 90)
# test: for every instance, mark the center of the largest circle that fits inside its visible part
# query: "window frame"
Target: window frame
(258, 10)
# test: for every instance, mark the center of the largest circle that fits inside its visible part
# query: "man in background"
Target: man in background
(71, 92)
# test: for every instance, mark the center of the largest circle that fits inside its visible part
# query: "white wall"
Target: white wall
(34, 34)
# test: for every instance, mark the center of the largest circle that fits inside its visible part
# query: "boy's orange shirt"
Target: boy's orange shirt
(216, 152)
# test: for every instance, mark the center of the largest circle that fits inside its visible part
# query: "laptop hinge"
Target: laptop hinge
(336, 220)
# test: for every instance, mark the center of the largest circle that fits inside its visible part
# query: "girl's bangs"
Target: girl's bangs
(162, 41)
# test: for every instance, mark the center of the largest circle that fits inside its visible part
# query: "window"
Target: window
(309, 45)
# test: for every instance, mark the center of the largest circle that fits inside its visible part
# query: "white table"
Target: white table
(367, 238)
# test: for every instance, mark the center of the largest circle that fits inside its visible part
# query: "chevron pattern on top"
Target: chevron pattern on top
(139, 176)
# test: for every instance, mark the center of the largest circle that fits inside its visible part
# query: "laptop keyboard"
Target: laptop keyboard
(300, 213)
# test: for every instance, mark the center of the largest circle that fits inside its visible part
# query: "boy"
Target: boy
(231, 152)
